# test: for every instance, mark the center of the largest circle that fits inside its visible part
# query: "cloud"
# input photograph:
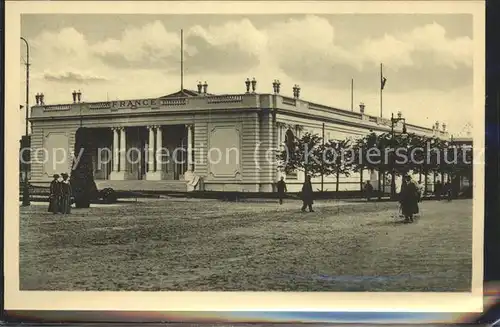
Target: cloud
(426, 45)
(425, 66)
(149, 46)
(305, 47)
(73, 77)
(233, 47)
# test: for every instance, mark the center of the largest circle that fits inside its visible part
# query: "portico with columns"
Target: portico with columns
(152, 152)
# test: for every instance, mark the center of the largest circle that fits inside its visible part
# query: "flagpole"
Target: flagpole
(381, 89)
(182, 60)
(352, 94)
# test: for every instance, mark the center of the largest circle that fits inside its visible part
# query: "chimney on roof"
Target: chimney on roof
(79, 96)
(205, 86)
(362, 108)
(254, 85)
(37, 98)
(247, 84)
(276, 86)
(200, 86)
(296, 91)
(42, 101)
(74, 96)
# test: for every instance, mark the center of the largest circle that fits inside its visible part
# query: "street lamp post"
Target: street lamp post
(394, 121)
(26, 190)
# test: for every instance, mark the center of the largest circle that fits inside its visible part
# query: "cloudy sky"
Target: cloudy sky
(427, 58)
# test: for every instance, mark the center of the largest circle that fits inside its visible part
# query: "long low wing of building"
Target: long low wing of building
(145, 143)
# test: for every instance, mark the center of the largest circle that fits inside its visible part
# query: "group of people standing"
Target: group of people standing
(60, 194)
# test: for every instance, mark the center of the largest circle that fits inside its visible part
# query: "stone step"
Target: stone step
(142, 185)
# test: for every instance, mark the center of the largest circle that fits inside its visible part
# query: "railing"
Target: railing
(173, 102)
(100, 105)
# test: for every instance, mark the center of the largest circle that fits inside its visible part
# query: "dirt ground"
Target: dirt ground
(202, 245)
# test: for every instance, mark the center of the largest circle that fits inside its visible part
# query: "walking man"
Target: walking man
(281, 189)
(448, 191)
(307, 195)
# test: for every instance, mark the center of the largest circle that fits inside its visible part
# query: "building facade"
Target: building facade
(210, 142)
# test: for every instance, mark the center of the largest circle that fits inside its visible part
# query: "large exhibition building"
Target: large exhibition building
(229, 136)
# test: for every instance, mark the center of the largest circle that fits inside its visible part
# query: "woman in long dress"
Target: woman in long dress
(66, 193)
(55, 195)
(409, 197)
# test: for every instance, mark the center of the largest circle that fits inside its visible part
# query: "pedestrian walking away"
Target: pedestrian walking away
(55, 195)
(66, 194)
(281, 189)
(307, 195)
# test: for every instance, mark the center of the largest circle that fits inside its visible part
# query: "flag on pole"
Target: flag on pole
(382, 82)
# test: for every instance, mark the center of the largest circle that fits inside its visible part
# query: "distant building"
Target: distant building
(242, 126)
(464, 180)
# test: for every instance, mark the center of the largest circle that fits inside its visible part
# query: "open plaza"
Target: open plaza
(183, 244)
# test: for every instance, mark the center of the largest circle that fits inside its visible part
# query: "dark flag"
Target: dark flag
(382, 82)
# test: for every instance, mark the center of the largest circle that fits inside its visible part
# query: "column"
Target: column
(119, 172)
(115, 149)
(158, 158)
(123, 150)
(156, 173)
(151, 149)
(279, 148)
(190, 148)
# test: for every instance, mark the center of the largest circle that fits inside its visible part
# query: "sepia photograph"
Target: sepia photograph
(314, 151)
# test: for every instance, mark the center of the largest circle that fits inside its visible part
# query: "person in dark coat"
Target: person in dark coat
(66, 194)
(368, 190)
(438, 188)
(55, 195)
(281, 189)
(409, 199)
(448, 191)
(307, 195)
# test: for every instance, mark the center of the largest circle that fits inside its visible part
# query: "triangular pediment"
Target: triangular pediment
(184, 93)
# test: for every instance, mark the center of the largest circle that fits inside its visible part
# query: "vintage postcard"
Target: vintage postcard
(244, 155)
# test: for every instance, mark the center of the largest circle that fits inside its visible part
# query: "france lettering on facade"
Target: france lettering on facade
(134, 103)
